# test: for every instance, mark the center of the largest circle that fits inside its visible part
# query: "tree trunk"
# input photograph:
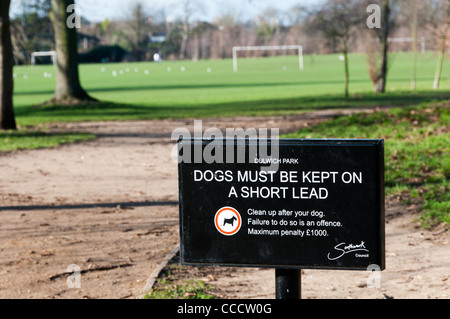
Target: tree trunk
(185, 33)
(380, 85)
(347, 75)
(437, 75)
(7, 119)
(184, 40)
(414, 47)
(68, 88)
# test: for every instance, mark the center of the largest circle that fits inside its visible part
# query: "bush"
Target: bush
(103, 53)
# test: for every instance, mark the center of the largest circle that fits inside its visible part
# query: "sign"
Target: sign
(228, 221)
(317, 204)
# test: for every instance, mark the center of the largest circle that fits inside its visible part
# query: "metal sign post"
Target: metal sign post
(288, 283)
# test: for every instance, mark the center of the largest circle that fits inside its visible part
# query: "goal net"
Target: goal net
(52, 55)
(268, 48)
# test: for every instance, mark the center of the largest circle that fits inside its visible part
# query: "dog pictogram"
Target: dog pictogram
(227, 221)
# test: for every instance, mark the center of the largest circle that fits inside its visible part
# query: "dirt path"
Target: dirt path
(417, 266)
(109, 206)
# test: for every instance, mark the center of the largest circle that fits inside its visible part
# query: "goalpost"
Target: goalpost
(52, 54)
(269, 47)
(401, 40)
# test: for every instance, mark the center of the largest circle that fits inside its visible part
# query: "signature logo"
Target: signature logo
(342, 249)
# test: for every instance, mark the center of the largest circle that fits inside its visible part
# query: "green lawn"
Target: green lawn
(30, 139)
(417, 148)
(262, 86)
(416, 137)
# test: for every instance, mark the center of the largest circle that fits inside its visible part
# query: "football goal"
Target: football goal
(267, 48)
(52, 55)
(403, 40)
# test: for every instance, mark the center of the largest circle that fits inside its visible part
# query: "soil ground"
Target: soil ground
(110, 207)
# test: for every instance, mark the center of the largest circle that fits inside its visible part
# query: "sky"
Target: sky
(206, 10)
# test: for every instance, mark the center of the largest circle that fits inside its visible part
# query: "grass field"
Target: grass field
(417, 139)
(417, 148)
(263, 86)
(30, 139)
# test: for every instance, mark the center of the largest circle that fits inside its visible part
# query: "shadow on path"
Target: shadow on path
(87, 206)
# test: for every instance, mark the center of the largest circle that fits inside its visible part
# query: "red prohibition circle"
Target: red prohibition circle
(217, 224)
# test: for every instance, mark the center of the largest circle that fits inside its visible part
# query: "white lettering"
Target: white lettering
(374, 19)
(73, 20)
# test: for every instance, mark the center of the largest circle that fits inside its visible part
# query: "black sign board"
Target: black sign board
(318, 204)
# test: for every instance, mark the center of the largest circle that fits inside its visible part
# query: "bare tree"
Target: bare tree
(7, 119)
(139, 27)
(414, 8)
(297, 15)
(189, 7)
(187, 11)
(200, 47)
(377, 47)
(227, 35)
(337, 20)
(68, 87)
(20, 43)
(267, 25)
(31, 29)
(441, 25)
(413, 16)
